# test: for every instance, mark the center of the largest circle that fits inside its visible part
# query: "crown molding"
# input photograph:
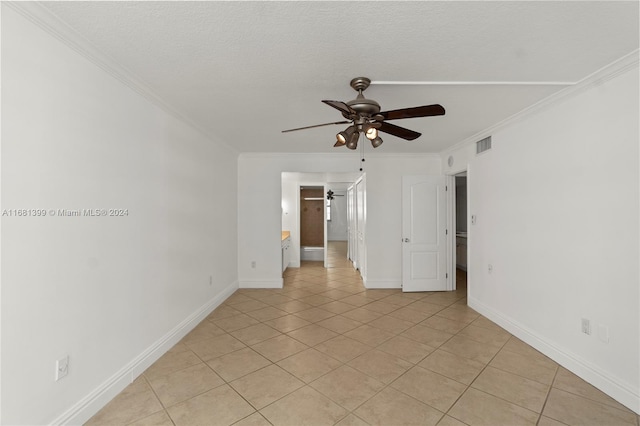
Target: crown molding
(471, 83)
(338, 156)
(604, 74)
(42, 17)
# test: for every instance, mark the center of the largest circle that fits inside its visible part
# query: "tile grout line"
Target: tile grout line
(547, 397)
(476, 377)
(164, 408)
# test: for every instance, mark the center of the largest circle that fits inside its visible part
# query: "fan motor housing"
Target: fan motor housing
(364, 106)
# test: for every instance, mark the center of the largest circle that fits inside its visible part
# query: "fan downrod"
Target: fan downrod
(360, 83)
(363, 106)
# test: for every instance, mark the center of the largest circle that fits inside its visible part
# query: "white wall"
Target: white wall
(259, 189)
(110, 292)
(556, 202)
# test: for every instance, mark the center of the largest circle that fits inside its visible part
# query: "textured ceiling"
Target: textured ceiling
(244, 71)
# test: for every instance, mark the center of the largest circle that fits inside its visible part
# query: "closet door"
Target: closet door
(361, 219)
(351, 226)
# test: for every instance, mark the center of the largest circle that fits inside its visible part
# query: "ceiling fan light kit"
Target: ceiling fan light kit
(352, 143)
(365, 117)
(345, 136)
(376, 142)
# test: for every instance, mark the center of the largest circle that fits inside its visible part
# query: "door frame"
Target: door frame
(451, 236)
(451, 224)
(352, 249)
(361, 226)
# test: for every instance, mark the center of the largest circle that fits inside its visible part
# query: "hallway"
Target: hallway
(337, 255)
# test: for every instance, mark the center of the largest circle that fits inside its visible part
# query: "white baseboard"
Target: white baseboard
(262, 283)
(382, 284)
(88, 406)
(621, 392)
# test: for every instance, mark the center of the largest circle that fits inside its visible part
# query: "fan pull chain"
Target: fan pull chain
(362, 151)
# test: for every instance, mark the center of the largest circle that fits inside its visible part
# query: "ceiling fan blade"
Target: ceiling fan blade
(342, 107)
(421, 111)
(315, 125)
(398, 131)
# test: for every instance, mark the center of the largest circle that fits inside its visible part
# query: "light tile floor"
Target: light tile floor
(324, 351)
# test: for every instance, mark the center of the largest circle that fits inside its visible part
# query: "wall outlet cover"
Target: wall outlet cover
(62, 367)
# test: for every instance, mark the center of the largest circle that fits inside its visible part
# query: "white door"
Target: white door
(424, 221)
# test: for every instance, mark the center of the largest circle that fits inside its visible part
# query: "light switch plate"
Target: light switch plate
(62, 367)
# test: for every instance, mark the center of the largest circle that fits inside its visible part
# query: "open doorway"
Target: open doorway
(460, 218)
(337, 225)
(294, 220)
(312, 216)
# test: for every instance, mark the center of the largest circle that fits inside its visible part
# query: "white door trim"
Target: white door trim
(450, 181)
(451, 218)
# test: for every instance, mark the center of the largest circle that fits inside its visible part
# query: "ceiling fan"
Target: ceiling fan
(365, 117)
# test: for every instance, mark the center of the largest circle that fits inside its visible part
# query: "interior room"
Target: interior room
(154, 158)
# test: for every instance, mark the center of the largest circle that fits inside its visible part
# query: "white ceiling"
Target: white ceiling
(244, 71)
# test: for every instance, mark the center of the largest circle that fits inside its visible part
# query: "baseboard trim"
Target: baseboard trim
(88, 406)
(262, 283)
(621, 392)
(381, 284)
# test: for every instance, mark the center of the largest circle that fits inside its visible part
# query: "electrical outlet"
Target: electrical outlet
(490, 268)
(586, 326)
(253, 264)
(473, 219)
(62, 367)
(210, 279)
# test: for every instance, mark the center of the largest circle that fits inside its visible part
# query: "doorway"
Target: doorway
(460, 216)
(293, 204)
(312, 228)
(337, 225)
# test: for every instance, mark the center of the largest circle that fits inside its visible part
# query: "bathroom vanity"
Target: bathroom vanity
(286, 249)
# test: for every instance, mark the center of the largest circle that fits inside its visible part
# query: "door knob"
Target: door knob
(406, 240)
